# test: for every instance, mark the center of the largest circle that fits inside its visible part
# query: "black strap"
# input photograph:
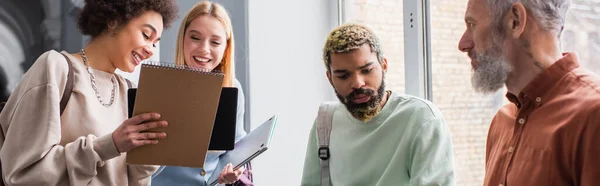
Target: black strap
(68, 87)
(129, 83)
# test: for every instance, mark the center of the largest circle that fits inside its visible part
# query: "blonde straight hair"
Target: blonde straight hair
(217, 11)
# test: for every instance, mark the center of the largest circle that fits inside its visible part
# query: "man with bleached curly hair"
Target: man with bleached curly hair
(373, 136)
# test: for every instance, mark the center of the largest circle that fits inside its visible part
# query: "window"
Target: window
(467, 113)
(385, 18)
(581, 33)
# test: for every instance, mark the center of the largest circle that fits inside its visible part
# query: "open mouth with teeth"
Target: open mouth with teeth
(137, 58)
(201, 59)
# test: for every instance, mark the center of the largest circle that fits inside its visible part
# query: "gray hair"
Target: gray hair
(549, 14)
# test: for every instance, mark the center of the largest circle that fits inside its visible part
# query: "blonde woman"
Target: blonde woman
(205, 40)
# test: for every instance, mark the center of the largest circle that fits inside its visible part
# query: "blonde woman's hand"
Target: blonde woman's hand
(228, 175)
(129, 135)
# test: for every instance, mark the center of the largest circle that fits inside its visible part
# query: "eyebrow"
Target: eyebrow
(366, 65)
(216, 36)
(152, 28)
(361, 67)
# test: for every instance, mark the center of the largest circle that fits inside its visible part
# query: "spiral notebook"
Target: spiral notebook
(223, 133)
(185, 97)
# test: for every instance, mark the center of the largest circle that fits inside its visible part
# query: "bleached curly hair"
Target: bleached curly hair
(348, 37)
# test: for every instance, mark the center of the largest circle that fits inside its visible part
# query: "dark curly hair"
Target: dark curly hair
(96, 14)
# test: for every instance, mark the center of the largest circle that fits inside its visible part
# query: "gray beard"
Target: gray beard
(491, 74)
(493, 70)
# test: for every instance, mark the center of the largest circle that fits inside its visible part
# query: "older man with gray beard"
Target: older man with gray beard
(548, 134)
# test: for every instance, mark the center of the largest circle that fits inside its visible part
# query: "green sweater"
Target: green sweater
(408, 143)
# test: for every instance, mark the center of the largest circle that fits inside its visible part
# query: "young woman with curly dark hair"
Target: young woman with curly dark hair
(47, 141)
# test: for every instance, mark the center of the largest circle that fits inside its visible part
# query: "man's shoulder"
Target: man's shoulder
(588, 84)
(507, 110)
(334, 105)
(416, 106)
(502, 121)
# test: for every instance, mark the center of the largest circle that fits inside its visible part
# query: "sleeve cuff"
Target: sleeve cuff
(105, 147)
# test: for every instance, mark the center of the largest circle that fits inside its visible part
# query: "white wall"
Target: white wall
(287, 77)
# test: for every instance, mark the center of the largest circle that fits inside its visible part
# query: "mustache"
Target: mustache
(472, 54)
(358, 92)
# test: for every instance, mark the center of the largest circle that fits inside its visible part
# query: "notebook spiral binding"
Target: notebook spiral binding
(159, 64)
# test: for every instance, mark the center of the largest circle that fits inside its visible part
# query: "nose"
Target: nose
(148, 51)
(466, 42)
(204, 47)
(358, 82)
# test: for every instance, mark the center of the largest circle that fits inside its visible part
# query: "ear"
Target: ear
(384, 64)
(328, 73)
(112, 27)
(112, 24)
(516, 20)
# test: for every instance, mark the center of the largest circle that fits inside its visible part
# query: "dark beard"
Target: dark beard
(364, 111)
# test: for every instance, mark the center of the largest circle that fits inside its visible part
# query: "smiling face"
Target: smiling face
(204, 42)
(358, 79)
(135, 41)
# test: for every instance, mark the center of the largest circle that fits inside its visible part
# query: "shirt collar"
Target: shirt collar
(537, 89)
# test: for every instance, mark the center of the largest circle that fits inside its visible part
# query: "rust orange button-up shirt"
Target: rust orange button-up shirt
(550, 133)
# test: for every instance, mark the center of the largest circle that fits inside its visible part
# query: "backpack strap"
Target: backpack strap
(129, 83)
(68, 87)
(324, 123)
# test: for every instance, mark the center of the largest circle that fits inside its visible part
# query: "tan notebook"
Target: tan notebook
(187, 98)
